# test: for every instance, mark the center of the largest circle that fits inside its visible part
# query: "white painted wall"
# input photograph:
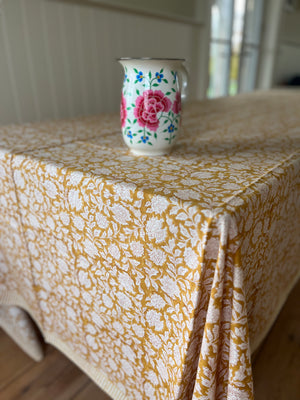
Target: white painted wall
(288, 59)
(57, 60)
(178, 8)
(269, 43)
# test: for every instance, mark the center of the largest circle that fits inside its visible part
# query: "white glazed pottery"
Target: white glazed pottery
(151, 104)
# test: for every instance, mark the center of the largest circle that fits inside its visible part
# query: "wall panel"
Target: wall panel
(57, 60)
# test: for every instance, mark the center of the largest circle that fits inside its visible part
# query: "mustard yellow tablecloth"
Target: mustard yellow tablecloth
(157, 276)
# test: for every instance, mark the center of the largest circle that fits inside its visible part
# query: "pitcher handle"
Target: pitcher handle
(183, 82)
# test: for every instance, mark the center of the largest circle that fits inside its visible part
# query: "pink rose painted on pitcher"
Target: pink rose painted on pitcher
(123, 112)
(176, 108)
(151, 104)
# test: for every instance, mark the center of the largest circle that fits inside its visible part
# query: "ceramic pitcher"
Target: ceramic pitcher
(151, 104)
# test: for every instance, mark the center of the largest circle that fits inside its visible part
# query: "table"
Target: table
(157, 276)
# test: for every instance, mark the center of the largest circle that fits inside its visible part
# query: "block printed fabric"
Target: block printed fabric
(157, 276)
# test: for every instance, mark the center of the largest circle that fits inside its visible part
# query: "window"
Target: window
(234, 47)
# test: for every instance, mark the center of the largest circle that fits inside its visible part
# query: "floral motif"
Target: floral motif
(123, 111)
(171, 128)
(176, 108)
(151, 99)
(148, 106)
(144, 139)
(174, 73)
(159, 76)
(140, 76)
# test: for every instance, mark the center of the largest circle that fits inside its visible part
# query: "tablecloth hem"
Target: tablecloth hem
(259, 180)
(14, 299)
(36, 352)
(97, 376)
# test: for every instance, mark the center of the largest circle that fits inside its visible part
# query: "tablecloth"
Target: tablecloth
(157, 276)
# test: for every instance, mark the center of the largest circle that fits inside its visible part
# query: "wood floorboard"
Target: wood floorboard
(91, 392)
(13, 361)
(54, 378)
(276, 368)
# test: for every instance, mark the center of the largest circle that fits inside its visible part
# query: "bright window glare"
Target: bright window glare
(235, 37)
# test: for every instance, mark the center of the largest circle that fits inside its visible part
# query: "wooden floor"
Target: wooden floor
(276, 368)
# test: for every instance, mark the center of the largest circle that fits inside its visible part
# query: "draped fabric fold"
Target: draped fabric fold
(225, 334)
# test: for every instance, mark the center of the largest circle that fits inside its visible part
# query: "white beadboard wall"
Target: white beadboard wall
(57, 60)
